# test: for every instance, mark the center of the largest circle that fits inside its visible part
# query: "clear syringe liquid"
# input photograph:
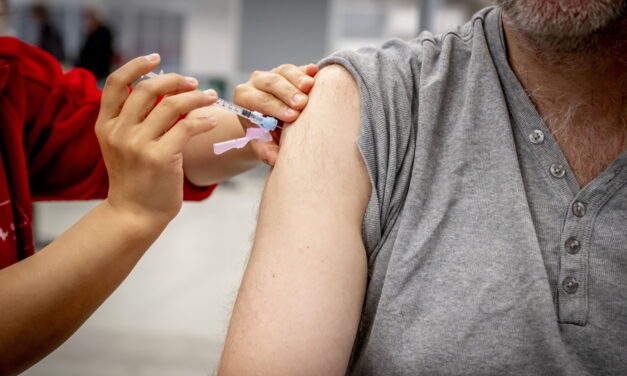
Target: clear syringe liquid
(266, 122)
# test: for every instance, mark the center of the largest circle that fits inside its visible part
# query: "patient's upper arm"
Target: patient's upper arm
(300, 301)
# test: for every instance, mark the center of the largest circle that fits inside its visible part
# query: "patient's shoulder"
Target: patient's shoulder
(332, 114)
(319, 151)
(334, 74)
(335, 89)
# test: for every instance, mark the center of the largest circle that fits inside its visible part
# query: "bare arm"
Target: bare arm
(46, 297)
(202, 166)
(300, 301)
(281, 93)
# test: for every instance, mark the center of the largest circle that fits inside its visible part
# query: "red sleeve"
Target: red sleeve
(60, 110)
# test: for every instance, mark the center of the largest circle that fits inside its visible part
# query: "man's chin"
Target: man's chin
(564, 25)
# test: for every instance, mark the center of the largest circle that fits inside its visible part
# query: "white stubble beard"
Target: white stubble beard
(565, 25)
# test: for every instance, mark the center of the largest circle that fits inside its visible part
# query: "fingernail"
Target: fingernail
(289, 112)
(303, 81)
(211, 94)
(298, 98)
(192, 80)
(153, 57)
(212, 120)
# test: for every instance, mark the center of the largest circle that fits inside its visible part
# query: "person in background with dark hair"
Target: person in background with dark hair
(97, 52)
(50, 39)
(4, 11)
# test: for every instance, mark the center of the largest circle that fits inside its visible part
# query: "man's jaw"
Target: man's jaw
(566, 26)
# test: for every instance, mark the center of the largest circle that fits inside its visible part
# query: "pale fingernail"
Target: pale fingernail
(289, 112)
(298, 98)
(153, 57)
(211, 93)
(192, 80)
(303, 81)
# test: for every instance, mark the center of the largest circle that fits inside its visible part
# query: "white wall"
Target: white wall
(210, 30)
(282, 31)
(208, 44)
(209, 35)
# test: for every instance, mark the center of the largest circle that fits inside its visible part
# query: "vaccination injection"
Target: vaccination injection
(265, 122)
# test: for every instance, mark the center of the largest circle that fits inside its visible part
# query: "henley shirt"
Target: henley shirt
(485, 256)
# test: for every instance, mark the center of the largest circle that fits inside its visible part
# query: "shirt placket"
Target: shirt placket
(577, 242)
(573, 276)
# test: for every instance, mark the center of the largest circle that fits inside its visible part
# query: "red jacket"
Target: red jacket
(48, 148)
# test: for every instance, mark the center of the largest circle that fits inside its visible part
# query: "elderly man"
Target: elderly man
(456, 204)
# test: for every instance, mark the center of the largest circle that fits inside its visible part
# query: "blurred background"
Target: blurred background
(170, 316)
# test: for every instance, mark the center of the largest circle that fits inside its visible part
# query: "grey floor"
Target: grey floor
(170, 315)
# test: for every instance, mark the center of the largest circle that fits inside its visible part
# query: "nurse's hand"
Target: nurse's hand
(142, 142)
(281, 93)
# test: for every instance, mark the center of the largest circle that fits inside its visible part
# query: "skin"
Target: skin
(281, 93)
(299, 305)
(202, 167)
(581, 93)
(563, 25)
(48, 296)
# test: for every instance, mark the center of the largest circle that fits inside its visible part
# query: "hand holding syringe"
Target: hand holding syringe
(282, 93)
(267, 124)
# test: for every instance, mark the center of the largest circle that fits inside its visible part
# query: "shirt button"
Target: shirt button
(570, 285)
(579, 209)
(557, 170)
(536, 137)
(573, 246)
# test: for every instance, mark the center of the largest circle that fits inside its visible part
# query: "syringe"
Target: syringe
(266, 122)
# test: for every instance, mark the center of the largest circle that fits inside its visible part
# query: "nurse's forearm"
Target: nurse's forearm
(48, 296)
(202, 166)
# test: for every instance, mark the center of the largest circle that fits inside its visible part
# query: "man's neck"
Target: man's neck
(581, 95)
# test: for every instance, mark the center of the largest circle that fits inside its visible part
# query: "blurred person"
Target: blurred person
(49, 37)
(4, 18)
(97, 53)
(456, 204)
(137, 160)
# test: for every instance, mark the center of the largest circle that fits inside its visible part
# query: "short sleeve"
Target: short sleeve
(387, 79)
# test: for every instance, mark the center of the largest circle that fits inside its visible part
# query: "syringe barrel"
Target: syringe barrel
(266, 122)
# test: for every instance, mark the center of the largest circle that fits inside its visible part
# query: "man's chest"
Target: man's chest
(590, 148)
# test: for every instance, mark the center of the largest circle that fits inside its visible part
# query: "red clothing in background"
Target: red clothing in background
(48, 148)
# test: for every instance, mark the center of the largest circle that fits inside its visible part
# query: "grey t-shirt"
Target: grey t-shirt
(485, 256)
